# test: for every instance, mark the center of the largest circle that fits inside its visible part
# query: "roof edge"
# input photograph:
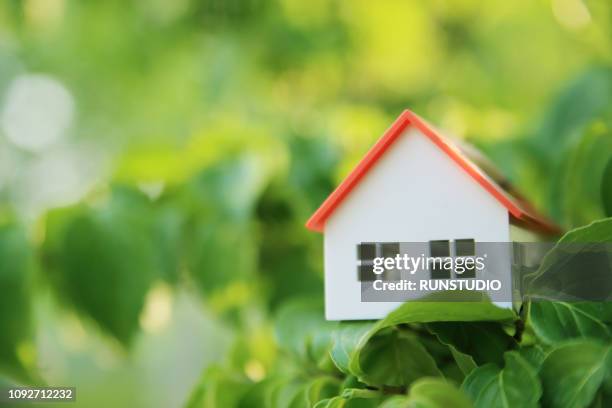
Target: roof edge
(317, 221)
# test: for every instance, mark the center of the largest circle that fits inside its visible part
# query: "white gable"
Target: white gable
(414, 193)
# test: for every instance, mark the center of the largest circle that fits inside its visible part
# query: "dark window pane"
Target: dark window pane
(439, 248)
(366, 273)
(438, 271)
(465, 247)
(390, 249)
(469, 272)
(366, 251)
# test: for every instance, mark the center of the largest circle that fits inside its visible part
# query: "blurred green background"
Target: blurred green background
(158, 160)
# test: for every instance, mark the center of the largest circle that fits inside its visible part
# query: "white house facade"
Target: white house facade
(416, 188)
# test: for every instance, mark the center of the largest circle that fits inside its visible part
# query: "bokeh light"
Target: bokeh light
(37, 111)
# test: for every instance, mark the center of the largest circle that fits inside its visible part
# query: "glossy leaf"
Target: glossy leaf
(554, 322)
(561, 270)
(573, 373)
(430, 393)
(465, 363)
(516, 385)
(349, 402)
(577, 184)
(534, 355)
(394, 358)
(348, 338)
(486, 342)
(352, 338)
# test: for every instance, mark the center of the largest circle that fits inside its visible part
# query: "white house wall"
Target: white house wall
(414, 193)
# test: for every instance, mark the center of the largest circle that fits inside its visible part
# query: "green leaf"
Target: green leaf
(578, 182)
(431, 311)
(486, 342)
(606, 189)
(465, 362)
(218, 388)
(167, 229)
(352, 337)
(281, 392)
(603, 399)
(360, 393)
(561, 270)
(302, 329)
(228, 189)
(349, 402)
(350, 397)
(322, 388)
(286, 245)
(103, 261)
(394, 358)
(582, 101)
(557, 321)
(291, 392)
(313, 162)
(483, 379)
(350, 381)
(297, 393)
(335, 402)
(534, 355)
(348, 339)
(573, 373)
(430, 393)
(15, 307)
(220, 252)
(516, 385)
(597, 231)
(220, 245)
(294, 396)
(255, 396)
(260, 394)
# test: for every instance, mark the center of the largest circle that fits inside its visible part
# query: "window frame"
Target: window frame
(380, 249)
(471, 272)
(439, 273)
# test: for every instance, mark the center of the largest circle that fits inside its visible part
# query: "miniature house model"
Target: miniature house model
(413, 185)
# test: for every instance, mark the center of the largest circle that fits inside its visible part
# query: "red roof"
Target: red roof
(520, 211)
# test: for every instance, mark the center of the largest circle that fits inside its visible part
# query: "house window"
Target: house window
(466, 248)
(439, 249)
(390, 249)
(367, 251)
